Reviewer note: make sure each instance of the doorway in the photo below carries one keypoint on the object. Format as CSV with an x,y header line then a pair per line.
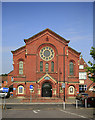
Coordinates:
x,y
46,90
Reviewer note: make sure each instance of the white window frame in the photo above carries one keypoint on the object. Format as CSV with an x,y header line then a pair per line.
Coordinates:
x,y
19,89
82,75
20,67
71,93
83,87
46,67
12,79
81,66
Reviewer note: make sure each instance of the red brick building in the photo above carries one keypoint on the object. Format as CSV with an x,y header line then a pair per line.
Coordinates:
x,y
46,62
85,84
3,81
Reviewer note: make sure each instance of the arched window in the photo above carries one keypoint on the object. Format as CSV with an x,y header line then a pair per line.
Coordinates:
x,y
41,66
46,66
71,90
52,66
71,68
21,67
20,89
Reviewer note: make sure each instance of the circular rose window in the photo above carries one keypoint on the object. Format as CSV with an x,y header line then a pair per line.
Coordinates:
x,y
46,53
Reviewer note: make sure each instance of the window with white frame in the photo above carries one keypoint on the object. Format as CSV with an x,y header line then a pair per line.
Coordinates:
x,y
82,75
21,67
12,79
46,67
20,89
89,76
82,88
71,90
81,67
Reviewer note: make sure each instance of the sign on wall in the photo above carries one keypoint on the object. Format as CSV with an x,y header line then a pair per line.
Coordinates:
x,y
14,88
31,87
63,85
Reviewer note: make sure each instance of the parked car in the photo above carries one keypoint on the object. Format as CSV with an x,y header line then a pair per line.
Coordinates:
x,y
90,102
2,94
8,94
81,96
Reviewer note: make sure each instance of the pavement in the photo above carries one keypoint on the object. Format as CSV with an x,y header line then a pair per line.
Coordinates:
x,y
19,100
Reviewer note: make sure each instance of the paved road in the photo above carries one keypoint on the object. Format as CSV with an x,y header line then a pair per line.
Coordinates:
x,y
46,111
42,114
15,109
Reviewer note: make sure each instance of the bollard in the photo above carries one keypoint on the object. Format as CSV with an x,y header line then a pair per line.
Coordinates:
x,y
86,103
76,103
64,105
4,103
30,99
3,106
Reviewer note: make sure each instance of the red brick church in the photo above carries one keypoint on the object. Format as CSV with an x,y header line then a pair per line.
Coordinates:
x,y
47,64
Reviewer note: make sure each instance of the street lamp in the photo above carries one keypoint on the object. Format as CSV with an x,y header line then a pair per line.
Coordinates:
x,y
64,75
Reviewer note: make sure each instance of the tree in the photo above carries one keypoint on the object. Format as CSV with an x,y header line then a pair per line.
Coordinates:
x,y
4,74
91,70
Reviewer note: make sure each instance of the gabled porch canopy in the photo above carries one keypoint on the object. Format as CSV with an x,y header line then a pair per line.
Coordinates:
x,y
47,78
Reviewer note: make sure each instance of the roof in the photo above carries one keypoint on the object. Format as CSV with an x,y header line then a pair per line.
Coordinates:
x,y
47,29
36,35
90,85
74,50
82,62
18,49
11,72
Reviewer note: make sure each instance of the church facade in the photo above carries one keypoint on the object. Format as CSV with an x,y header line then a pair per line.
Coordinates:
x,y
45,67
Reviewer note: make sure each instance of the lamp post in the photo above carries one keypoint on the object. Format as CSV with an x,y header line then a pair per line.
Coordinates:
x,y
25,87
64,76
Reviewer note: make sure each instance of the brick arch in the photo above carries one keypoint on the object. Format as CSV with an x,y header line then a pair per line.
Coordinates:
x,y
20,85
42,80
20,59
39,59
71,86
71,60
47,44
50,81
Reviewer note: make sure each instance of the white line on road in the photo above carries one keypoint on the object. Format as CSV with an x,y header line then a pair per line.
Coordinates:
x,y
35,111
38,110
73,114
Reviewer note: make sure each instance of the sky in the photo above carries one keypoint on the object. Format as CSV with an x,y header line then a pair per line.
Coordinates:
x,y
21,20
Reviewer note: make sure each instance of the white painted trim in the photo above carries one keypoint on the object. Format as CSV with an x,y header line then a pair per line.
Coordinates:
x,y
73,90
22,89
